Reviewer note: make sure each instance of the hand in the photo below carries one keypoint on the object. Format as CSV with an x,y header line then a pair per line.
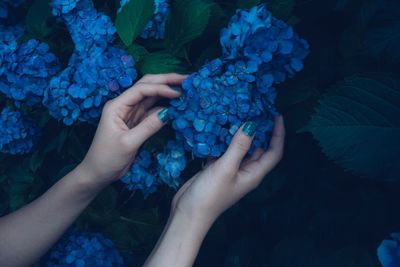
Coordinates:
x,y
224,182
126,123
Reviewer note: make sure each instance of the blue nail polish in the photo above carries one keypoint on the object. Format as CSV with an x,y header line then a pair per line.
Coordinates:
x,y
163,115
250,128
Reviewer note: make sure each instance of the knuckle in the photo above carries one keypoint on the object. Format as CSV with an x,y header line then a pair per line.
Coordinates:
x,y
242,145
151,125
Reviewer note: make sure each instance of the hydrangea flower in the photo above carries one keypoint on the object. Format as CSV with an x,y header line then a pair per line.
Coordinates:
x,y
258,52
155,28
389,251
170,164
81,90
25,69
80,249
96,71
88,27
18,134
141,175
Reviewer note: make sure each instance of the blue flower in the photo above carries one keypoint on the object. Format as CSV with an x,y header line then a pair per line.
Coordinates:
x,y
170,163
155,28
96,71
141,175
88,27
81,90
259,51
77,249
25,70
18,133
389,251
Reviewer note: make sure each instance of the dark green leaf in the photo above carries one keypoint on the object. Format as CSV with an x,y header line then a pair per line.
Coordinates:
x,y
188,20
137,51
57,143
36,19
247,3
359,126
160,62
282,8
35,161
354,256
383,42
133,18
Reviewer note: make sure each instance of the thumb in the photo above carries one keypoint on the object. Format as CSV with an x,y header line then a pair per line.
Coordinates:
x,y
239,146
148,127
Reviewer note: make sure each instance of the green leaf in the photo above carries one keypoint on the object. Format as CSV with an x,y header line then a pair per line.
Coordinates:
x,y
358,126
57,143
188,20
35,161
132,19
352,256
247,3
282,8
37,16
383,42
137,51
160,62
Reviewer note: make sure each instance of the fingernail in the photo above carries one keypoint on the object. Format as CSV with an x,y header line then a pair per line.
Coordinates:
x,y
163,115
176,88
250,128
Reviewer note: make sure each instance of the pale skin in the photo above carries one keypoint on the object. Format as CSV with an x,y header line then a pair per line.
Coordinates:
x,y
126,123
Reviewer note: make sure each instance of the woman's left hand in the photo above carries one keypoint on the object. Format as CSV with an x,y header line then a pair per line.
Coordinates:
x,y
126,123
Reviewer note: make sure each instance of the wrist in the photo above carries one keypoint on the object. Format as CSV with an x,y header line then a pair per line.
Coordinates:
x,y
190,224
86,179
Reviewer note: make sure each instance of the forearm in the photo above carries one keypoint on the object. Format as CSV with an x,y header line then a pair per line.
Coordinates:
x,y
179,244
28,233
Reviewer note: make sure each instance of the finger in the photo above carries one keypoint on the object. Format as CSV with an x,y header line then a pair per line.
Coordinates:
x,y
138,92
239,147
273,155
169,78
146,128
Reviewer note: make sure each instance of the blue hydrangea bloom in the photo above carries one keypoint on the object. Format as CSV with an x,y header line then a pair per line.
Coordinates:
x,y
389,251
25,69
80,249
170,164
88,27
259,51
90,79
96,71
141,175
18,134
155,28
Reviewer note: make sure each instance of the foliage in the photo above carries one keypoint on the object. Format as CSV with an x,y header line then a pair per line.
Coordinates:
x,y
330,202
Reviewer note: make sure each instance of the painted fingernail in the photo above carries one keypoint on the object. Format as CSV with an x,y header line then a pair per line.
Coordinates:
x,y
163,115
176,88
250,128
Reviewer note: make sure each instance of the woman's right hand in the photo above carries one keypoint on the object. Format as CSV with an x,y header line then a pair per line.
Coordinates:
x,y
225,181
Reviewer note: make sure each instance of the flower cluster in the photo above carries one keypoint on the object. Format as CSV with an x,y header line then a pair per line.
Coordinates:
x,y
140,176
146,173
96,71
88,27
79,249
18,134
155,28
25,70
81,89
258,52
389,251
170,164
